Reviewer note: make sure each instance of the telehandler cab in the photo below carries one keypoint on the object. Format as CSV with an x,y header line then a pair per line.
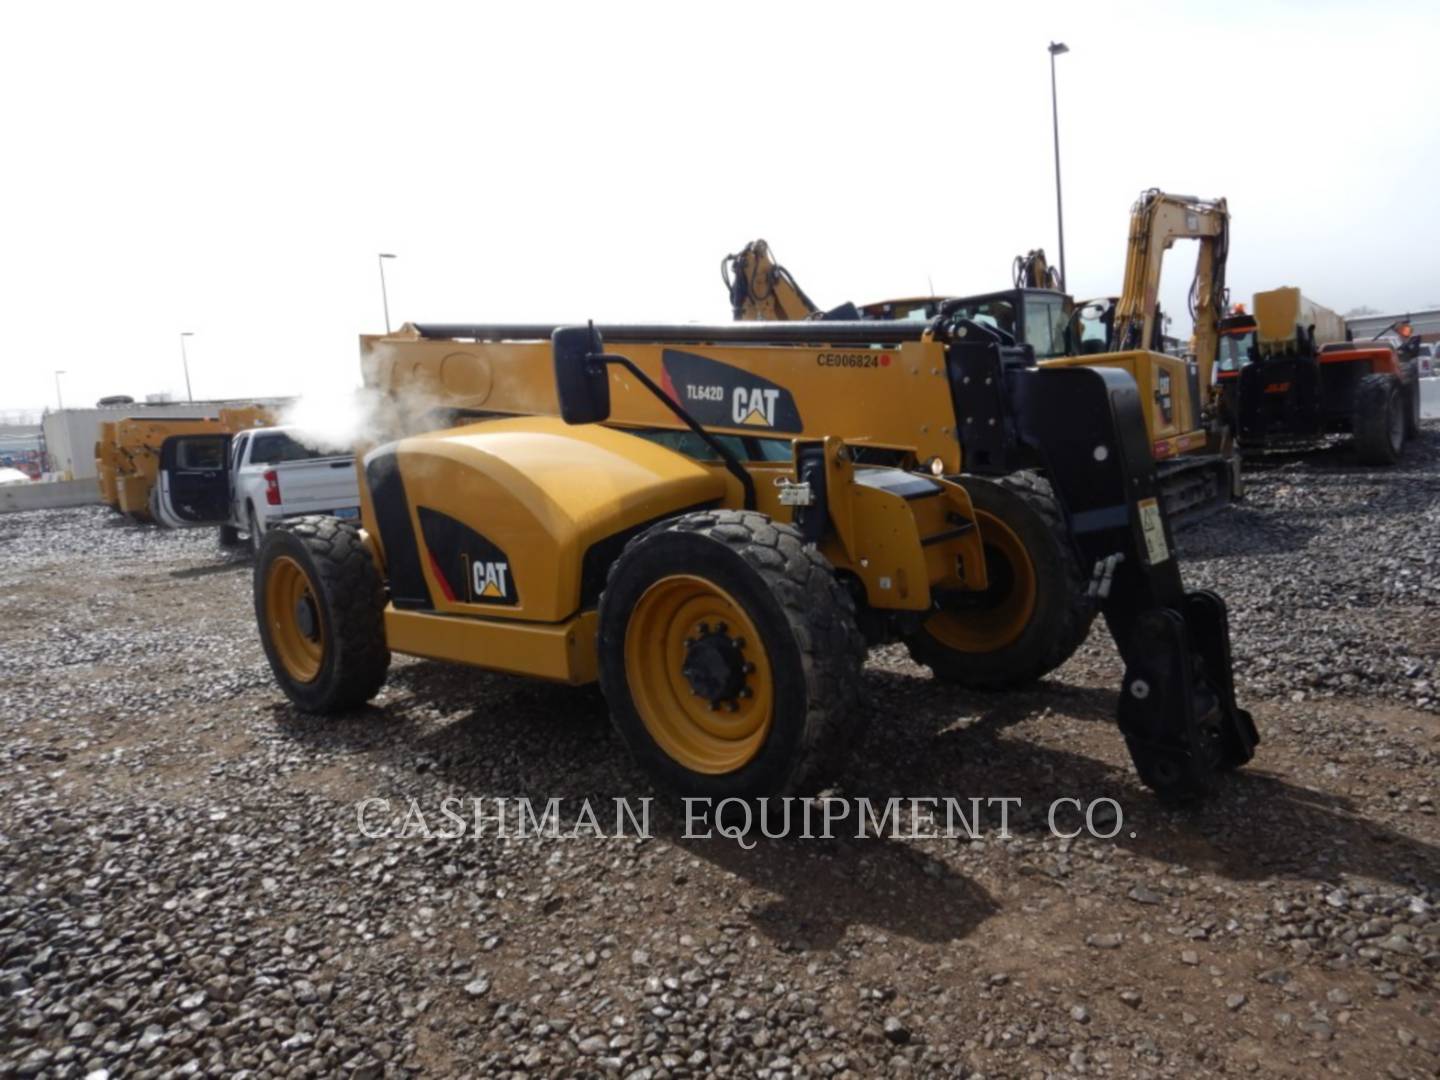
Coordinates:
x,y
715,521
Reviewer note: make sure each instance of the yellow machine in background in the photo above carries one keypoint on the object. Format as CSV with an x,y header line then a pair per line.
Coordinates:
x,y
1291,373
133,459
1189,433
106,464
1187,429
714,520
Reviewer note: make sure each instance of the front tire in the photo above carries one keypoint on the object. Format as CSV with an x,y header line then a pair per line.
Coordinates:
x,y
319,604
1379,423
1035,613
730,657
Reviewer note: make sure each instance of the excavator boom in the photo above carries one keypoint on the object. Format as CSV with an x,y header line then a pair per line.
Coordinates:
x,y
1157,220
761,290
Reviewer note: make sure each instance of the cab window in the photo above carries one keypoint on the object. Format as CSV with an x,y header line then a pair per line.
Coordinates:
x,y
997,313
201,453
1235,350
1045,324
277,448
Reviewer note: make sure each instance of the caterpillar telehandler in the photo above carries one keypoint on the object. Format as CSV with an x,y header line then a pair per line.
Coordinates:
x,y
1189,434
1290,372
715,522
131,463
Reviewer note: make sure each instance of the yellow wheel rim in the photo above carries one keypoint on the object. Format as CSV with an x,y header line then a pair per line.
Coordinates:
x,y
293,613
1003,611
699,675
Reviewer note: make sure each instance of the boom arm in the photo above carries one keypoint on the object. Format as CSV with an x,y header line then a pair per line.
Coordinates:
x,y
761,290
1157,221
1032,271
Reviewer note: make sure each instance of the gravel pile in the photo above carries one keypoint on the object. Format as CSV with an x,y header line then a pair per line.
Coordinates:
x,y
185,888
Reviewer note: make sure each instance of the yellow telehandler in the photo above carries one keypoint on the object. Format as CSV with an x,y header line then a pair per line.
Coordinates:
x,y
715,522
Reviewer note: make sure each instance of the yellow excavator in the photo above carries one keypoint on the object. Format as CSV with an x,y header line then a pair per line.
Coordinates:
x,y
1190,439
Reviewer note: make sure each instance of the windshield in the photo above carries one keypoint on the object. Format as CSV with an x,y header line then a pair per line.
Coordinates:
x,y
276,448
1045,324
996,311
1235,350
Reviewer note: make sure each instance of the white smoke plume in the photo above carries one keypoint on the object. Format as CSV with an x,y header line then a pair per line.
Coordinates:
x,y
341,421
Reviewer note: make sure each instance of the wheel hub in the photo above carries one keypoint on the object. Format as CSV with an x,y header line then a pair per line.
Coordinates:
x,y
715,665
307,619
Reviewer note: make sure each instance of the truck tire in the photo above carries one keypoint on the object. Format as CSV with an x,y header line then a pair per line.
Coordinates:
x,y
1379,423
319,604
1412,401
1035,613
256,532
730,657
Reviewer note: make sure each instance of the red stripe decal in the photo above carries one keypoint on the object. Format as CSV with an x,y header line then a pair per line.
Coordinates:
x,y
439,576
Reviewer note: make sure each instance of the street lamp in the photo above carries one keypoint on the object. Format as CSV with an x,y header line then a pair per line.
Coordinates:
x,y
185,360
58,399
1058,48
384,299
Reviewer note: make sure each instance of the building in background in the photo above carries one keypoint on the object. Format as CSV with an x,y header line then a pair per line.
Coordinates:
x,y
70,434
1424,323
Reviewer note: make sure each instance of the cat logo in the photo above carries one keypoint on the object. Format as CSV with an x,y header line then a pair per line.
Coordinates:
x,y
491,580
722,395
755,407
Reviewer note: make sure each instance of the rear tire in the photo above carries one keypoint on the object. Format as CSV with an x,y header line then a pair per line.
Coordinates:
x,y
730,657
1006,640
1379,422
319,604
257,532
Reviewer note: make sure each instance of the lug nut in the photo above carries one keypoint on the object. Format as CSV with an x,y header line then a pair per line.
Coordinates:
x,y
748,668
746,692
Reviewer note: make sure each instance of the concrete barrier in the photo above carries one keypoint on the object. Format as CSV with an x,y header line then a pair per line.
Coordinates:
x,y
1430,398
48,496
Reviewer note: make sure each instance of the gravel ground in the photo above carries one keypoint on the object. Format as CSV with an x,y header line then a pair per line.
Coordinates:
x,y
185,890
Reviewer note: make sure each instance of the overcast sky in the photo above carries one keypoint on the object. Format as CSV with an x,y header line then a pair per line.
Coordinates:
x,y
233,170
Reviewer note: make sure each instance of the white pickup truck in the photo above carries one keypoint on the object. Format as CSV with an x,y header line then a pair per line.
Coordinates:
x,y
248,481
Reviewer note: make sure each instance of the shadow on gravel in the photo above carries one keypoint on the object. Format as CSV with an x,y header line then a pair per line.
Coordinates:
x,y
229,566
822,888
488,736
1257,825
1215,538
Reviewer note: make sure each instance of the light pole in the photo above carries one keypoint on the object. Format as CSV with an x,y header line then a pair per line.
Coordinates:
x,y
1058,48
60,401
384,298
185,362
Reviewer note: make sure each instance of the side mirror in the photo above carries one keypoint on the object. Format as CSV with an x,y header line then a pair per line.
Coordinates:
x,y
581,381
